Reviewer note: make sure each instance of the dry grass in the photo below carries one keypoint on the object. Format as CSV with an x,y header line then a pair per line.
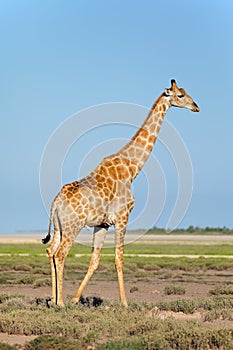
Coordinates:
x,y
112,327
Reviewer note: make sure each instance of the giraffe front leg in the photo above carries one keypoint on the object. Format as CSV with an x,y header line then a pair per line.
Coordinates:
x,y
119,268
98,241
119,251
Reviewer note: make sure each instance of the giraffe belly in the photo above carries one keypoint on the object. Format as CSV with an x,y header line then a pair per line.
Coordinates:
x,y
103,218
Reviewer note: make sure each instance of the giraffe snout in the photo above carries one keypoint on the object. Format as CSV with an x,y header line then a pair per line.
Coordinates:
x,y
195,107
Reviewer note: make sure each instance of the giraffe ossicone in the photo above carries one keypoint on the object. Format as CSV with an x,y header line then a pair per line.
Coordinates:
x,y
104,198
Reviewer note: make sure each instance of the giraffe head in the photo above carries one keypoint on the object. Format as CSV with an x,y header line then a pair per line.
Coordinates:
x,y
179,98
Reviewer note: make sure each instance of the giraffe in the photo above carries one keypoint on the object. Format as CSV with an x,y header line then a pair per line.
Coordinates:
x,y
104,198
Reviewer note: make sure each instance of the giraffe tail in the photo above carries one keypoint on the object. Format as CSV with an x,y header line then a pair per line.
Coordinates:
x,y
52,211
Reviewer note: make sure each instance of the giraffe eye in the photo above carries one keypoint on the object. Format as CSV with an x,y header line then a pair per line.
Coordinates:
x,y
180,96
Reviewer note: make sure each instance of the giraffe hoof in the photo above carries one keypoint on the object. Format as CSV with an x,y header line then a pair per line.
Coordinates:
x,y
61,304
124,304
75,300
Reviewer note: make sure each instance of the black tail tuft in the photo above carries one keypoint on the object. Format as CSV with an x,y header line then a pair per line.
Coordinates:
x,y
46,239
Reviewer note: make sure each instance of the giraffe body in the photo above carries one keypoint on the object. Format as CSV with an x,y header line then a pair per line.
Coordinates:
x,y
98,198
104,198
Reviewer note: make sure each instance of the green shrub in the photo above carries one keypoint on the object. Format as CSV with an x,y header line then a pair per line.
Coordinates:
x,y
47,342
223,314
41,282
136,343
184,305
176,290
4,346
221,291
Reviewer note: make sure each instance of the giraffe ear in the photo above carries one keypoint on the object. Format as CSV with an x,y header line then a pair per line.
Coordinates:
x,y
167,92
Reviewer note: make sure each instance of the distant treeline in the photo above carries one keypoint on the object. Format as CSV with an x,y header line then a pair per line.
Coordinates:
x,y
194,229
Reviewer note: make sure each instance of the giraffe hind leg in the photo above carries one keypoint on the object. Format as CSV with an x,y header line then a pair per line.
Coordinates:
x,y
59,261
51,251
98,241
58,255
120,229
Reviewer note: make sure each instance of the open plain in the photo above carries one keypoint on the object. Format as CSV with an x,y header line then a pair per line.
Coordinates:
x,y
179,288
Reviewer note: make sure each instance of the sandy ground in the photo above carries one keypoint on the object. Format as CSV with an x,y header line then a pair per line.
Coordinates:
x,y
149,291
15,339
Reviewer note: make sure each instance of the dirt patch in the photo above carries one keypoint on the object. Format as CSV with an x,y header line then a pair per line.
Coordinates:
x,y
155,312
15,339
147,289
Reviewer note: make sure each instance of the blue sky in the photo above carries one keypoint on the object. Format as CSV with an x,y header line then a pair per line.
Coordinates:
x,y
59,57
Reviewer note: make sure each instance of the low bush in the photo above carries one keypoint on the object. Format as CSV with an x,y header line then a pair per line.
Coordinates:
x,y
46,342
176,290
110,326
221,291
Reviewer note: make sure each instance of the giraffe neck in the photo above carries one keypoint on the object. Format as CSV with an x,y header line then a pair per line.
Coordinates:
x,y
138,149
